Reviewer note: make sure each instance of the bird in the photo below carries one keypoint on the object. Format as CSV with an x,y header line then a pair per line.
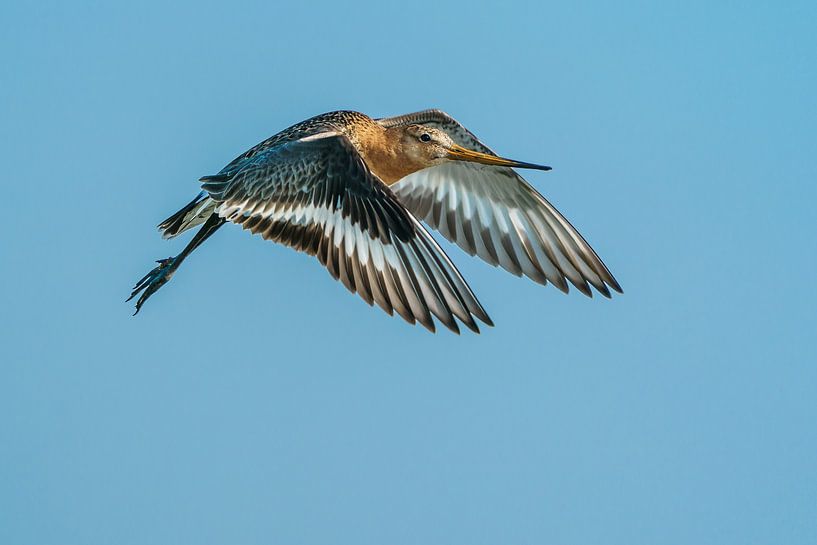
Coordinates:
x,y
354,192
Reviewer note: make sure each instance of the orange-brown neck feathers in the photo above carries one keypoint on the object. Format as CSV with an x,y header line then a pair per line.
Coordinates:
x,y
383,151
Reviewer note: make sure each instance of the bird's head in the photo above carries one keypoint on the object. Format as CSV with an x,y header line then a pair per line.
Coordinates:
x,y
429,146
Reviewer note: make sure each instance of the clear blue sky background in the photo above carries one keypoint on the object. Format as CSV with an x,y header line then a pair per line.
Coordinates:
x,y
255,401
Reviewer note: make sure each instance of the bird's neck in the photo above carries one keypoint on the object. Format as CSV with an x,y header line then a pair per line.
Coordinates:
x,y
383,153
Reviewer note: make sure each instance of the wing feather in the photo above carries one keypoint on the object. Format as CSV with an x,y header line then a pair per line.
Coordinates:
x,y
317,195
494,213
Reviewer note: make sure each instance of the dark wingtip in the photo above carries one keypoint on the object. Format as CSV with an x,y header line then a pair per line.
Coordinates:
x,y
472,325
451,324
583,288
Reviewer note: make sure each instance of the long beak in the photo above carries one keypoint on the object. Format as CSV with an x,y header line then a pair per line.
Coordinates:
x,y
459,153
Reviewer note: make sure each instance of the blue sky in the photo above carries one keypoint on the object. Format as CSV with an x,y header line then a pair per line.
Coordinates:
x,y
255,401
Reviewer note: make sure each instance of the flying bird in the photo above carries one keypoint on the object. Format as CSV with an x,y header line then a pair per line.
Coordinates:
x,y
352,191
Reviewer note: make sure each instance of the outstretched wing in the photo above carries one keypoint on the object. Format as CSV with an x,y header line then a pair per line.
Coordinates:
x,y
316,195
494,213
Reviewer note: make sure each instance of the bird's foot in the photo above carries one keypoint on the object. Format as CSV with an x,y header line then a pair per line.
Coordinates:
x,y
152,281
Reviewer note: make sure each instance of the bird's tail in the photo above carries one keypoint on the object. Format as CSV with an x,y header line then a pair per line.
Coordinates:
x,y
194,213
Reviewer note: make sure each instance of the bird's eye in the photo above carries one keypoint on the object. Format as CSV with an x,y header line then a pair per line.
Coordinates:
x,y
425,137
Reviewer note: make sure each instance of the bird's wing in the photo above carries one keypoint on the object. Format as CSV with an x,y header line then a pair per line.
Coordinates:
x,y
316,195
494,213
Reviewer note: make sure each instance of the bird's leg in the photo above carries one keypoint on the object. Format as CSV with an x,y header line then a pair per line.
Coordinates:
x,y
159,276
154,280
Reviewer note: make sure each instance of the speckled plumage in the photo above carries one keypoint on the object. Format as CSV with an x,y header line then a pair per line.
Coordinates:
x,y
345,188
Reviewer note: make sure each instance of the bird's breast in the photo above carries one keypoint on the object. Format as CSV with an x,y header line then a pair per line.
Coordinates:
x,y
389,171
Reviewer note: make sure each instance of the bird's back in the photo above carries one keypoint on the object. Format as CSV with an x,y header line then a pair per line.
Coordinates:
x,y
342,121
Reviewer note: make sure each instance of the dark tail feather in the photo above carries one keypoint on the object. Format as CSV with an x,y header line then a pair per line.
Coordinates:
x,y
184,218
